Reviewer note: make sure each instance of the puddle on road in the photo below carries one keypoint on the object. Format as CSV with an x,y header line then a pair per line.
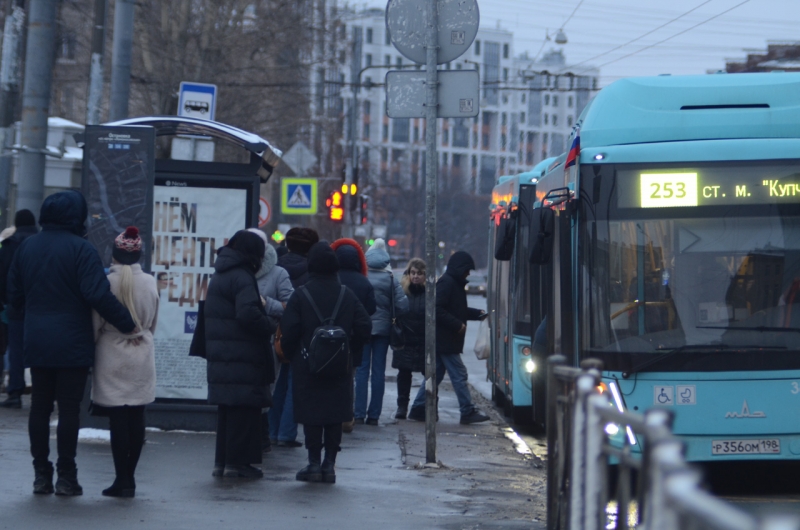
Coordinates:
x,y
612,515
519,444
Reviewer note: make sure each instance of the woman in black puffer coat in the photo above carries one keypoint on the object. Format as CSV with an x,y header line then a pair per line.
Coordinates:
x,y
411,358
239,355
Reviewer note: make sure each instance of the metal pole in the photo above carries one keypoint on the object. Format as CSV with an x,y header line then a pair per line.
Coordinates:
x,y
95,98
39,58
350,176
9,95
431,168
121,59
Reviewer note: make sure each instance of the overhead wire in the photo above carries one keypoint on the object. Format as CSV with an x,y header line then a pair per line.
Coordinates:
x,y
672,36
643,35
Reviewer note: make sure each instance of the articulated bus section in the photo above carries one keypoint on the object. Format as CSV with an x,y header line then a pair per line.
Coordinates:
x,y
665,244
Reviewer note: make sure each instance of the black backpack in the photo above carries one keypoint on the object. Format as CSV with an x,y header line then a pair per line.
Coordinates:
x,y
328,354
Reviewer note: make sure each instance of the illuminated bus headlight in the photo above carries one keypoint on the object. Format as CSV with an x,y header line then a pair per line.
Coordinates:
x,y
530,366
620,404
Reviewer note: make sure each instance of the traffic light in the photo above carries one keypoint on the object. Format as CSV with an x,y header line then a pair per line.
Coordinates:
x,y
335,206
363,210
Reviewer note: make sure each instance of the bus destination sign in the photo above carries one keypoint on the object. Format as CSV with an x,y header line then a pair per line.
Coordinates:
x,y
709,187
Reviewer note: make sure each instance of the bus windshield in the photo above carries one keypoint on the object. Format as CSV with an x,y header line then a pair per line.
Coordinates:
x,y
701,276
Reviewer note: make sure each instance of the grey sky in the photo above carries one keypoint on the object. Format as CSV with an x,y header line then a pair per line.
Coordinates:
x,y
600,25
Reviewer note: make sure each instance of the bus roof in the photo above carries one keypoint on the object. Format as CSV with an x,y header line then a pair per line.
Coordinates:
x,y
703,107
507,188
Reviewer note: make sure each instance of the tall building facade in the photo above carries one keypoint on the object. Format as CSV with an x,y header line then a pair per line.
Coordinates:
x,y
528,106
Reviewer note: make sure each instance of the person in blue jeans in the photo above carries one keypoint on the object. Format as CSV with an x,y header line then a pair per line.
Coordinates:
x,y
452,314
388,293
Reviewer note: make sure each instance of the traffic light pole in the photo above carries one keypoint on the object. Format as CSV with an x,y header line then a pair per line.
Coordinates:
x,y
350,176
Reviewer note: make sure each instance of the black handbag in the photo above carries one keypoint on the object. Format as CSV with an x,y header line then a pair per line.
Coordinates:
x,y
198,346
396,336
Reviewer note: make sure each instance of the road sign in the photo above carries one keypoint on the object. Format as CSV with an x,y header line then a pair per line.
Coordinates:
x,y
407,22
298,196
264,212
459,91
299,158
197,100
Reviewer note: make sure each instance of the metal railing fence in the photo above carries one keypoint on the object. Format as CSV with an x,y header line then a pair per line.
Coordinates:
x,y
656,489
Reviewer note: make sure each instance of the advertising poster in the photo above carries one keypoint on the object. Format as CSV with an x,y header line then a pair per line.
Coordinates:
x,y
118,175
190,224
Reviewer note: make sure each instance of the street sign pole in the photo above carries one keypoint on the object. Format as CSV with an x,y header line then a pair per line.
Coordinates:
x,y
432,32
431,169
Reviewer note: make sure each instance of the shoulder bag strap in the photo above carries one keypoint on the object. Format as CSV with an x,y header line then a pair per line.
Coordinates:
x,y
338,304
313,304
391,295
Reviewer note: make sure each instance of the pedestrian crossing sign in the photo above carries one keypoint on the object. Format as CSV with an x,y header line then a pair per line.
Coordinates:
x,y
299,196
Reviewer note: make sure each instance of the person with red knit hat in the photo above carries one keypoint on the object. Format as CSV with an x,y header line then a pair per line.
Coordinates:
x,y
124,374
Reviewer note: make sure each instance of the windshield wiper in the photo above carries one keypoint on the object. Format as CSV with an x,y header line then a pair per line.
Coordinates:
x,y
752,328
669,352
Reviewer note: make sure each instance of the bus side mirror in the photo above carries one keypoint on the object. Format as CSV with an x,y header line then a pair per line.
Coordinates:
x,y
541,244
506,236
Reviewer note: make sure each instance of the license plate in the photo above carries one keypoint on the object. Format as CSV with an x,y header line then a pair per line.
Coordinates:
x,y
769,446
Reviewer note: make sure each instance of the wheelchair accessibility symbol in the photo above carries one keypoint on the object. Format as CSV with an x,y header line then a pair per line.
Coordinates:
x,y
664,395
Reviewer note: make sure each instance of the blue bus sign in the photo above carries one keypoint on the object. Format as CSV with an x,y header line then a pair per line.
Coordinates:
x,y
197,100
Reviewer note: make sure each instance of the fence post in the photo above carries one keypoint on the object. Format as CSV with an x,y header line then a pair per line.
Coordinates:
x,y
596,464
555,443
577,483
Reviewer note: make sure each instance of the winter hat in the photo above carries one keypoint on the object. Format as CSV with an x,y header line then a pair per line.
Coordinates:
x,y
350,255
128,246
24,218
260,233
377,256
300,239
322,259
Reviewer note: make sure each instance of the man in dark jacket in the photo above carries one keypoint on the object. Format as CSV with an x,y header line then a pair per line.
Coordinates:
x,y
25,224
322,405
57,278
299,241
452,314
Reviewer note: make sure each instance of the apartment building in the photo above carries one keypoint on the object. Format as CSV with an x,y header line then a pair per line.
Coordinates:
x,y
528,107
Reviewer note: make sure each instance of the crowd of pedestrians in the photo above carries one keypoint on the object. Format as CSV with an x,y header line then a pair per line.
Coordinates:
x,y
297,334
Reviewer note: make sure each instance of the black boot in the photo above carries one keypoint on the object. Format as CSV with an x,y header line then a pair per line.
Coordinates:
x,y
402,409
312,472
43,481
13,401
328,468
122,487
67,483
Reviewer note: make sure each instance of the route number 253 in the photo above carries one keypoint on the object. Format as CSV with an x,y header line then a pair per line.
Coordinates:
x,y
659,190
668,190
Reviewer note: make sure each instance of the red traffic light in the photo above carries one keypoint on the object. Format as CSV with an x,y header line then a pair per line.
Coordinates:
x,y
392,242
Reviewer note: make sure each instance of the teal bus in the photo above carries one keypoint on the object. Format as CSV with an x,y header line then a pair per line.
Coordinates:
x,y
667,245
511,361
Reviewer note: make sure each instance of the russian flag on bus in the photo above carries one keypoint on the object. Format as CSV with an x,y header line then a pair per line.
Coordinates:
x,y
574,151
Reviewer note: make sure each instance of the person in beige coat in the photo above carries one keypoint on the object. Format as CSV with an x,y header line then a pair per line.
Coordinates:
x,y
124,374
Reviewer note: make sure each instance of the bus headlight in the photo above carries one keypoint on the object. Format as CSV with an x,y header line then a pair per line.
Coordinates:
x,y
530,366
526,350
618,401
